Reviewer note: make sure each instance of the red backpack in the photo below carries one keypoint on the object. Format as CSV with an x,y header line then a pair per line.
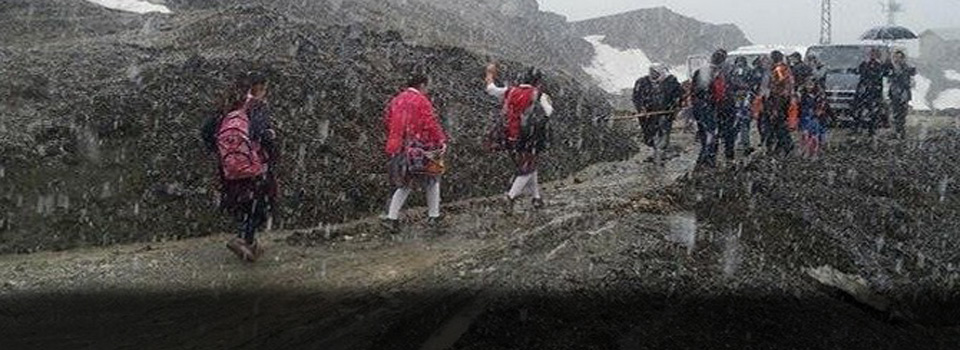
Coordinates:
x,y
239,155
718,88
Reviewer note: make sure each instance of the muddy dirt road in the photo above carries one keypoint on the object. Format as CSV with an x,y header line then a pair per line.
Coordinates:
x,y
614,262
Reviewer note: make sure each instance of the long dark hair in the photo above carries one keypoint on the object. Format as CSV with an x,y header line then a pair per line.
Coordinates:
x,y
236,95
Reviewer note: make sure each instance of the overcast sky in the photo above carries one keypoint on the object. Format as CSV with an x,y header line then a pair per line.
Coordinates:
x,y
778,21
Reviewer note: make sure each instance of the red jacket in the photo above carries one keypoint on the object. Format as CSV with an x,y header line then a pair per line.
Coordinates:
x,y
516,101
410,115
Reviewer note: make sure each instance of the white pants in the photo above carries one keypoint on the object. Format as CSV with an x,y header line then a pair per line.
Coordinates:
x,y
526,183
431,186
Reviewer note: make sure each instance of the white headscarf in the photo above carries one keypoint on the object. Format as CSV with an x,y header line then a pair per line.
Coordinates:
x,y
662,70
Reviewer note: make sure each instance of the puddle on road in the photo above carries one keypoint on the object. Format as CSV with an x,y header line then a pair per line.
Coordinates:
x,y
683,230
732,253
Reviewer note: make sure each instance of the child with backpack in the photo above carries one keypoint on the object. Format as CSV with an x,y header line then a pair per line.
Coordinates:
x,y
416,144
523,130
244,140
813,114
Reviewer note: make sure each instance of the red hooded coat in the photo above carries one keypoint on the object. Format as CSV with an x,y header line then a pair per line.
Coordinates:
x,y
410,117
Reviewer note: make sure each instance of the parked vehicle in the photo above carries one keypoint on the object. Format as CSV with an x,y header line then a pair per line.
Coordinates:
x,y
840,63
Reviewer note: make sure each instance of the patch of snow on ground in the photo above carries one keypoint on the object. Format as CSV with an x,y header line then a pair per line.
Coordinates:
x,y
948,99
615,69
951,75
920,91
137,6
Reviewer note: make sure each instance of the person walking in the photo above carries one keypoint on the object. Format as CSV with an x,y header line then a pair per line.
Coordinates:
x,y
801,70
523,132
782,92
813,113
869,96
762,74
901,82
742,83
818,71
416,145
710,103
657,98
245,141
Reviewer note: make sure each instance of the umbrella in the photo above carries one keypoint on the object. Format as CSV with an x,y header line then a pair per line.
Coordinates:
x,y
888,33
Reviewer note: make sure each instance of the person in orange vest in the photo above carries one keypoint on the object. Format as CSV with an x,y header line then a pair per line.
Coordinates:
x,y
526,110
782,91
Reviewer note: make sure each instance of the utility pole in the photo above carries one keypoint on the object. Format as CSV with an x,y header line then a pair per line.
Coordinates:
x,y
826,22
892,8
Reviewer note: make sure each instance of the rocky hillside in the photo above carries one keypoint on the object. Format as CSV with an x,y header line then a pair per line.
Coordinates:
x,y
30,22
663,35
100,132
511,29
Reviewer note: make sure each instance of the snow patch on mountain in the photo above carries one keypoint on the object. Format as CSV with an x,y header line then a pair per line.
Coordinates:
x,y
920,91
615,70
951,74
137,6
949,99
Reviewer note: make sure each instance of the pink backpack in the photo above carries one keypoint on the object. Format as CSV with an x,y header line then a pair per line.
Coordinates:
x,y
239,156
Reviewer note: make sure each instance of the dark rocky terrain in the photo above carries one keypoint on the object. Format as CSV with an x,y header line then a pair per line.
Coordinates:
x,y
624,257
100,129
511,29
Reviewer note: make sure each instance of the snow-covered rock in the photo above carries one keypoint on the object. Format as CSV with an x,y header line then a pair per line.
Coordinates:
x,y
615,70
137,6
949,99
920,91
951,74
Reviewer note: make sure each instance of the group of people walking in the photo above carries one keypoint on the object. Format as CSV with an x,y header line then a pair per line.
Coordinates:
x,y
782,94
417,144
243,138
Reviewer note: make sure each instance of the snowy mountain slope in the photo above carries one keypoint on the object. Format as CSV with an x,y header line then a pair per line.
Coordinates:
x,y
136,6
614,69
951,74
949,99
663,35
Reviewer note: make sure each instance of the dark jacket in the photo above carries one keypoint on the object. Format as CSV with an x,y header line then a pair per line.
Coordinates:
x,y
901,79
871,80
655,96
801,73
742,81
704,84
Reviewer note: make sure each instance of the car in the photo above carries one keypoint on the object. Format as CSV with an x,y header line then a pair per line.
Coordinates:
x,y
841,78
